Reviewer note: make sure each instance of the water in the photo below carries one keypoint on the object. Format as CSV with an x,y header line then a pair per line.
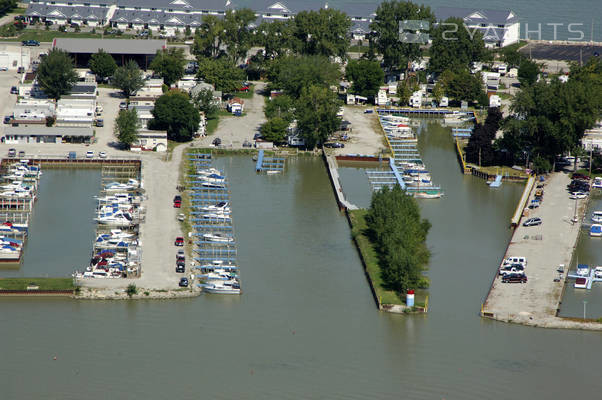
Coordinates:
x,y
535,16
307,326
61,231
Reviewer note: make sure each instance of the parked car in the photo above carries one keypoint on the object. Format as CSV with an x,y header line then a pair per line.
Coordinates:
x,y
578,195
3,68
180,254
246,143
20,70
580,176
368,111
179,241
532,222
217,141
30,42
334,145
180,269
14,90
12,152
102,154
177,201
100,122
183,282
123,105
21,154
7,119
89,154
514,278
516,269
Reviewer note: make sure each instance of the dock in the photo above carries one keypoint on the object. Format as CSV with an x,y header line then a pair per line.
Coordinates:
x,y
269,165
546,246
333,174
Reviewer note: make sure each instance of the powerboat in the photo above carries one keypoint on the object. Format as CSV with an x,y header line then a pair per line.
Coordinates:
x,y
583,270
222,206
222,288
217,265
428,194
595,230
119,218
598,272
218,237
597,216
219,275
115,186
208,171
220,216
581,283
215,185
116,198
213,178
9,253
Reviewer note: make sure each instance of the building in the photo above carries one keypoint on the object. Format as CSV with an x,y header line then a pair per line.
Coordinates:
x,y
44,134
33,109
66,13
13,57
235,105
500,28
75,112
122,50
150,141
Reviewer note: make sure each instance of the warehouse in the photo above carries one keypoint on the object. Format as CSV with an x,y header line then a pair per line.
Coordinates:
x,y
122,50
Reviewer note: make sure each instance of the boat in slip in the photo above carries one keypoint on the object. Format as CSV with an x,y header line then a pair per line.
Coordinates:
x,y
428,194
208,171
214,185
222,207
217,265
583,270
9,253
218,238
395,118
218,216
226,287
595,230
213,178
131,184
219,275
581,283
119,218
598,272
597,217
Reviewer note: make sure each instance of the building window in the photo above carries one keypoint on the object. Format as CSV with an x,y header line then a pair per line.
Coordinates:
x,y
483,25
137,8
501,26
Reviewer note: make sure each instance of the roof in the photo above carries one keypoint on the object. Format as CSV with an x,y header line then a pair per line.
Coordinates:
x,y
46,131
54,11
477,16
112,46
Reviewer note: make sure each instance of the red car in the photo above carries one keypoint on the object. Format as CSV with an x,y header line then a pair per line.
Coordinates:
x,y
177,201
179,241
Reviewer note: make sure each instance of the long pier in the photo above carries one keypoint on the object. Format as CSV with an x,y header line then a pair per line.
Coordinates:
x,y
333,174
546,246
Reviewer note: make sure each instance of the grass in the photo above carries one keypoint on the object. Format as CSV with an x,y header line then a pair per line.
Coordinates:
x,y
48,36
246,95
212,125
505,96
357,49
503,170
43,283
368,252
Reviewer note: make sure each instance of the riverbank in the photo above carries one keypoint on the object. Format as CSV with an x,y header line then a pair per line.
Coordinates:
x,y
386,300
142,294
537,302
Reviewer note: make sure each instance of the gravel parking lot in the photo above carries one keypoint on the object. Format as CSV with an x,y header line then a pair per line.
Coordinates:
x,y
366,137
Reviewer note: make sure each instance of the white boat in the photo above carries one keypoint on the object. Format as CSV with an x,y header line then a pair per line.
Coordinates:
x,y
220,216
222,288
273,172
208,171
598,272
216,185
218,237
120,218
597,183
219,275
578,195
9,253
428,195
581,283
117,186
595,230
597,216
213,178
583,270
218,265
116,198
222,206
395,118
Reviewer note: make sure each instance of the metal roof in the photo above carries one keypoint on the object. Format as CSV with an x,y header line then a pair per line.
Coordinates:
x,y
112,46
477,16
47,131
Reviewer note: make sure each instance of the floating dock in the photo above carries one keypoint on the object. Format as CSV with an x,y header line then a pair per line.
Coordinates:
x,y
270,165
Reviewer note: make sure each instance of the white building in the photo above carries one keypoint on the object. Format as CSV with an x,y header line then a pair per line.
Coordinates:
x,y
150,141
33,109
495,101
500,28
13,57
44,134
75,112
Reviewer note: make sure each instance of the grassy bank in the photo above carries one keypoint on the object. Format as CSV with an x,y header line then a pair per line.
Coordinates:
x,y
43,283
48,36
368,252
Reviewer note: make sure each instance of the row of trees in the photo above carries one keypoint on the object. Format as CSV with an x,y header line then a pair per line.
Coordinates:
x,y
399,233
480,148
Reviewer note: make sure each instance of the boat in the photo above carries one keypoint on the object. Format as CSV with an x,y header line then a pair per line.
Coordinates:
x,y
597,216
395,118
213,178
583,270
119,218
222,288
595,230
217,265
115,186
578,195
222,206
208,171
272,171
598,272
220,216
219,275
428,194
218,237
9,253
115,198
581,283
597,183
215,185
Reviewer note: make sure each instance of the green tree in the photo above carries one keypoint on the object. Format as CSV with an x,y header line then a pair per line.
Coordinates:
x,y
175,113
528,72
221,73
404,92
209,37
131,290
128,78
281,106
169,64
56,75
237,32
292,74
127,126
275,130
367,76
316,113
102,65
463,85
385,27
454,47
323,32
204,102
438,92
275,37
6,6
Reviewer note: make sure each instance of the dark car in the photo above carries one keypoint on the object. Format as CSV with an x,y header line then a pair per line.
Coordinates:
x,y
183,282
74,25
532,222
217,141
257,136
181,262
14,90
7,119
180,269
246,143
514,278
12,152
581,177
30,42
100,122
334,145
21,154
179,241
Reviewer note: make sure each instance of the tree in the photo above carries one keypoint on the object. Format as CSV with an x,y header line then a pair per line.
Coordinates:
x,y
385,28
6,6
128,78
323,32
528,72
208,37
454,46
205,103
463,85
127,126
438,92
292,74
175,113
275,37
237,32
275,130
480,148
131,290
404,92
367,76
102,65
56,75
281,106
316,113
169,64
221,73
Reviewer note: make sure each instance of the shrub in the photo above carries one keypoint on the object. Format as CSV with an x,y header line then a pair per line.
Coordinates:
x,y
131,290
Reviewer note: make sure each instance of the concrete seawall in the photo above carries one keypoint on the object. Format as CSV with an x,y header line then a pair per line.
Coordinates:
x,y
546,246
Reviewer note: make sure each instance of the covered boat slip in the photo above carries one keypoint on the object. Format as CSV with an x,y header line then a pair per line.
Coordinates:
x,y
214,244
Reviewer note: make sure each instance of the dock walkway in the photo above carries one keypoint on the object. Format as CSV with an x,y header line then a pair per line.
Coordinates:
x,y
546,247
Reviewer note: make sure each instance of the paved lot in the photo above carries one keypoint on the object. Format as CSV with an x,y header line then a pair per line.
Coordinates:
x,y
536,301
366,137
561,52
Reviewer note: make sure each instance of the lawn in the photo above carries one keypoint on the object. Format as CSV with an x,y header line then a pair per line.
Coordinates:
x,y
48,36
246,95
212,125
43,283
501,170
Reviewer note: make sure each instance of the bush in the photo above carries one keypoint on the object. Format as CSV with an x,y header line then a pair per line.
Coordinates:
x,y
131,290
62,28
50,121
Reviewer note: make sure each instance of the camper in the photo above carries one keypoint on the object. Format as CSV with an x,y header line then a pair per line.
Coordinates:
x,y
444,102
495,101
502,69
